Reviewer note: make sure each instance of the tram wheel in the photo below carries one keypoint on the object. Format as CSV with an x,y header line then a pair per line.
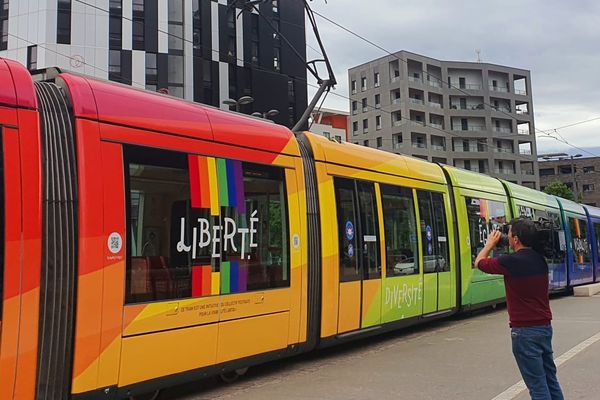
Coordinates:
x,y
146,396
232,376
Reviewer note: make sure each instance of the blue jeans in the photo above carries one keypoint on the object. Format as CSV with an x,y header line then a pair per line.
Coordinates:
x,y
532,348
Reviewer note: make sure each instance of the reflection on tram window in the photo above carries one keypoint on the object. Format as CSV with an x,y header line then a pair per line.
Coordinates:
x,y
484,216
202,226
433,227
582,252
400,231
553,250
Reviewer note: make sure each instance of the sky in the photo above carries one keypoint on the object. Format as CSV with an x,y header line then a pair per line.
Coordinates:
x,y
557,41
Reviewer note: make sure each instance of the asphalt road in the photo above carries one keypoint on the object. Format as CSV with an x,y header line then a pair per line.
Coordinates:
x,y
466,358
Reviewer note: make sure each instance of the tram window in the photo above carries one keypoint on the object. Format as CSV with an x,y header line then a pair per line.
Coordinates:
x,y
369,230
434,232
399,222
264,256
201,226
484,216
580,241
347,213
597,234
552,251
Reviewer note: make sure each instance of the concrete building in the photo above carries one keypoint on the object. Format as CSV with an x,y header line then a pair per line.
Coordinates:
x,y
476,116
333,124
581,175
200,50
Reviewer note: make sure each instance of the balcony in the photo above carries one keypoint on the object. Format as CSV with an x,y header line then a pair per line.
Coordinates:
x,y
521,92
438,147
395,78
475,128
354,112
502,130
397,123
416,101
501,109
413,79
414,121
397,145
396,101
503,150
365,108
434,105
435,83
504,171
527,172
524,112
498,89
522,131
436,126
419,145
468,86
525,152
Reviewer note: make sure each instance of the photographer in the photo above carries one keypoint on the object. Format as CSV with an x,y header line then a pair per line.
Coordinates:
x,y
526,281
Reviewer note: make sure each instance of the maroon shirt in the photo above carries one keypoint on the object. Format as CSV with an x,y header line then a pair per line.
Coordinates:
x,y
526,282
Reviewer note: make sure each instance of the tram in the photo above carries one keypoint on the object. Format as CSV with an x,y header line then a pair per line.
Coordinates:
x,y
147,241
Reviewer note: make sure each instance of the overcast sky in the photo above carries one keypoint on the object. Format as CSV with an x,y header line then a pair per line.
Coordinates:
x,y
558,41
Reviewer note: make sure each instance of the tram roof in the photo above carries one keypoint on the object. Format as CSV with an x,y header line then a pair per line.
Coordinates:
x,y
16,89
120,104
594,212
474,181
527,194
571,206
366,158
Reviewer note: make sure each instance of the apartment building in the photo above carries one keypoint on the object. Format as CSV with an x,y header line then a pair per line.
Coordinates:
x,y
581,175
206,51
475,116
333,124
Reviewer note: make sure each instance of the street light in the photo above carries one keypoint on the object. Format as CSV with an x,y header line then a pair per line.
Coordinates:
x,y
266,115
239,102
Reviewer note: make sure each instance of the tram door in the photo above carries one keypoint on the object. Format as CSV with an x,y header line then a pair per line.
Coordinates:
x,y
437,279
359,255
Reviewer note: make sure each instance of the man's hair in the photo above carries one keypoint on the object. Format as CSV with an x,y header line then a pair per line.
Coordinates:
x,y
526,230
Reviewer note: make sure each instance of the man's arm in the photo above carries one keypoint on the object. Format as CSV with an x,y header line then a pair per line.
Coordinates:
x,y
482,262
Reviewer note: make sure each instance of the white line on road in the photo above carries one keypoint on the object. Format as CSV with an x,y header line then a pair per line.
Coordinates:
x,y
518,387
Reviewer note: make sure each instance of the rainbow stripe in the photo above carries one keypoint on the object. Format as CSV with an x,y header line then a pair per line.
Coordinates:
x,y
234,277
215,183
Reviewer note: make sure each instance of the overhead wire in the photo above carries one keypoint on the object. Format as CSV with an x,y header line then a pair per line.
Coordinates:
x,y
422,70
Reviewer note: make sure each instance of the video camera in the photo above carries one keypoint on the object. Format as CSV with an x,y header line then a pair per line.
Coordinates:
x,y
547,232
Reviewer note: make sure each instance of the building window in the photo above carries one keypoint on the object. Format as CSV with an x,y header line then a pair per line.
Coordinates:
x,y
565,169
151,72
114,65
31,58
354,107
363,83
366,143
276,58
63,22
377,101
588,188
176,251
353,87
175,26
364,105
547,171
137,27
355,127
365,125
400,226
175,75
378,122
379,142
338,138
588,170
3,24
376,81
115,24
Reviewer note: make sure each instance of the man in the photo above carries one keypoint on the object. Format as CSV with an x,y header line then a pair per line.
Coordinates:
x,y
526,281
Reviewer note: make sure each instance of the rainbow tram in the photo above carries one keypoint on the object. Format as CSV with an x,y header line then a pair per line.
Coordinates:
x,y
147,241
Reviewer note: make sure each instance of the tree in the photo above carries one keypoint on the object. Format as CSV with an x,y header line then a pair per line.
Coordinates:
x,y
558,188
